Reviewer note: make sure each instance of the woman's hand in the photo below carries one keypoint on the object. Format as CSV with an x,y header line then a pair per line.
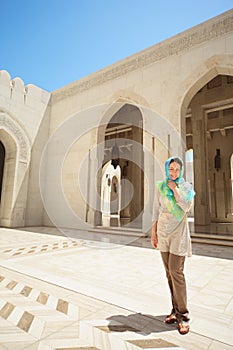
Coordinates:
x,y
154,240
171,184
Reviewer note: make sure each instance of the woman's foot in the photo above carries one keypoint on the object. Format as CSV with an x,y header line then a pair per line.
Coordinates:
x,y
183,327
170,319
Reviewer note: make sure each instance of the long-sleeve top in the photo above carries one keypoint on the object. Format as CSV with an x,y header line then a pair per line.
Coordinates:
x,y
173,235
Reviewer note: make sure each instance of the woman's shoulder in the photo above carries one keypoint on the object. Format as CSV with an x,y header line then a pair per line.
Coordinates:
x,y
187,187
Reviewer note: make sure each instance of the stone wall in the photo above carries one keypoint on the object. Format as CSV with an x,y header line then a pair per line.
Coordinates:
x,y
22,110
162,79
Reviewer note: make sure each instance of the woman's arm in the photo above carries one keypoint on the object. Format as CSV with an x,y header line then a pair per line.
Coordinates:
x,y
154,237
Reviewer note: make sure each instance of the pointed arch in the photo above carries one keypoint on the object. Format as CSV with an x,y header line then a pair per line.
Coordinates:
x,y
122,124
14,180
198,109
215,65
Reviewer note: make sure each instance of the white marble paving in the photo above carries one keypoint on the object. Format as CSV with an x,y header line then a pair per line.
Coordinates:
x,y
15,316
103,283
10,332
37,327
52,301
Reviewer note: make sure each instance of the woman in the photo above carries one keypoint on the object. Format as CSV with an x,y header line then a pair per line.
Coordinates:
x,y
170,232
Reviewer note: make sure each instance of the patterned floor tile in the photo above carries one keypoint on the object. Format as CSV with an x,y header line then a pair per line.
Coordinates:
x,y
39,248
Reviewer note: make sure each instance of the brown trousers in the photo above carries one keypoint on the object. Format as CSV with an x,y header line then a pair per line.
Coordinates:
x,y
174,266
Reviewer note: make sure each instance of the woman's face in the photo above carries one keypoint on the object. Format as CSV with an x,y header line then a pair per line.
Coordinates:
x,y
174,170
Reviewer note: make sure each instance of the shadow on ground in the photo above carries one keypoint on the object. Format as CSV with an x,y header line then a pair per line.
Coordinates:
x,y
139,323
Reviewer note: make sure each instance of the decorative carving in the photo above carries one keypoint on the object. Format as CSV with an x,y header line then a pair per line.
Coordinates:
x,y
182,42
213,115
216,82
228,112
14,129
229,79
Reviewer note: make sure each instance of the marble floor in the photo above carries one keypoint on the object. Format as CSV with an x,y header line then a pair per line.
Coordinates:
x,y
61,293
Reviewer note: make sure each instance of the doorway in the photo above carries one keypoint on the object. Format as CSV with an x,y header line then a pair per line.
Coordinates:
x,y
209,132
123,152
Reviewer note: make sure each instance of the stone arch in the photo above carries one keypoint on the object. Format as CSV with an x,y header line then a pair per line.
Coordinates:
x,y
13,128
130,97
126,120
216,67
218,64
110,195
16,163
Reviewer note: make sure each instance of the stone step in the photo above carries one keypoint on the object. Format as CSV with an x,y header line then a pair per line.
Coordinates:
x,y
213,236
77,348
135,232
203,238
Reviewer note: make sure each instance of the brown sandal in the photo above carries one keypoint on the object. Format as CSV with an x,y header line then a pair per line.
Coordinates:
x,y
170,319
183,328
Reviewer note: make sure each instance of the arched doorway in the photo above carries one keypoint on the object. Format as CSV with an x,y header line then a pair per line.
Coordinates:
x,y
2,163
14,176
209,131
123,147
111,195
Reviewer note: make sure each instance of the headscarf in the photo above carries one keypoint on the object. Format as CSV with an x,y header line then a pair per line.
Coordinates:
x,y
165,191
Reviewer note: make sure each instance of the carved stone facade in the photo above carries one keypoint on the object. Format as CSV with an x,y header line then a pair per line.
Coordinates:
x,y
16,131
57,148
21,111
183,42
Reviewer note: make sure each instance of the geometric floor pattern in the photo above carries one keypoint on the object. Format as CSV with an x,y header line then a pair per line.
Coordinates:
x,y
28,315
34,319
30,319
113,301
38,248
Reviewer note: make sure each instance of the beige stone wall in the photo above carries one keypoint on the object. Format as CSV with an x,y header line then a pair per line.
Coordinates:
x,y
162,80
159,77
22,109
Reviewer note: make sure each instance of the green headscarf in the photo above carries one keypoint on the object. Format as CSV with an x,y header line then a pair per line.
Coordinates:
x,y
165,191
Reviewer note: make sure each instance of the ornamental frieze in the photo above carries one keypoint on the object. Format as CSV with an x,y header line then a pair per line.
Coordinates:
x,y
19,136
182,42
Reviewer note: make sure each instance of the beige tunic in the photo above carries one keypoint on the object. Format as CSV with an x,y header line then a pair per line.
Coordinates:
x,y
173,235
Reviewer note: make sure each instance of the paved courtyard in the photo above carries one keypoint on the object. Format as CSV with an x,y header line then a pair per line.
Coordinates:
x,y
58,292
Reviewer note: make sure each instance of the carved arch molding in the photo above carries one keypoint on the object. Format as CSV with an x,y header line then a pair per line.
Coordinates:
x,y
19,135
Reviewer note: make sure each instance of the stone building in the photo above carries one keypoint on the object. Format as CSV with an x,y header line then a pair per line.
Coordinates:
x,y
88,154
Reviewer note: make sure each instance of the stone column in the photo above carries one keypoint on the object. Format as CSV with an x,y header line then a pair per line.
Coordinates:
x,y
20,195
149,182
202,208
137,176
94,216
